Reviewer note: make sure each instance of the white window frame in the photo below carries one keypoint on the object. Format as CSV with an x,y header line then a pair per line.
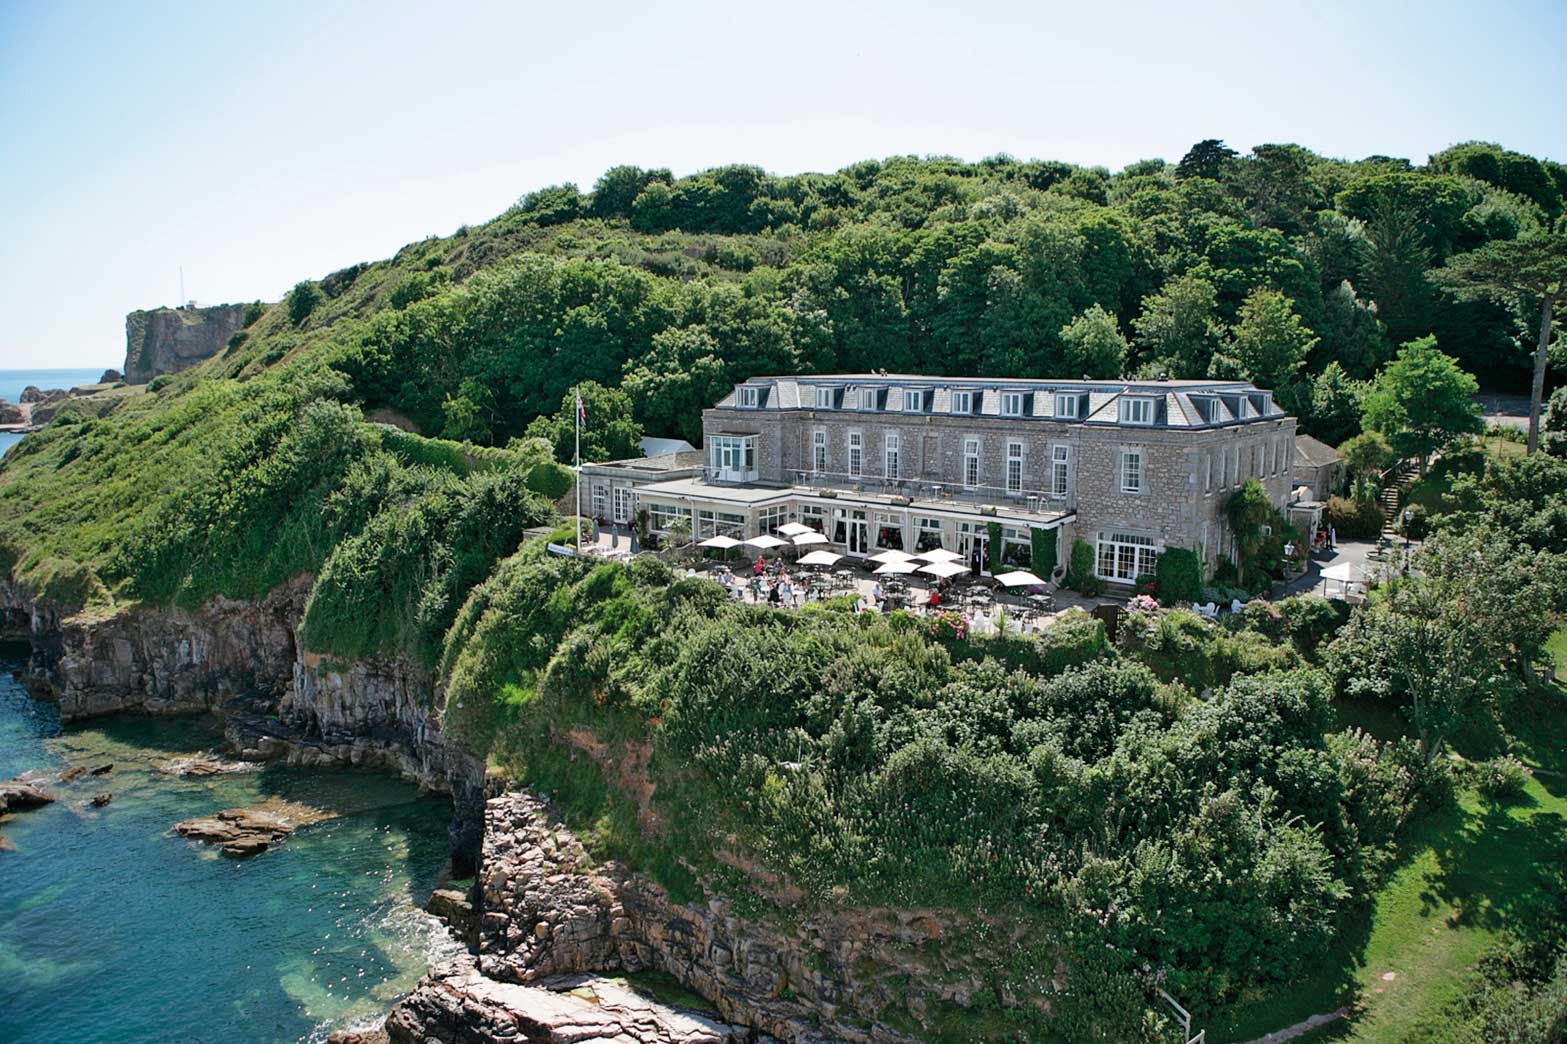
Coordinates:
x,y
1138,410
1060,471
1131,470
1224,468
819,451
1143,553
750,397
1011,404
962,402
891,452
1207,474
824,398
971,453
1066,405
867,398
913,401
856,454
1014,472
1235,472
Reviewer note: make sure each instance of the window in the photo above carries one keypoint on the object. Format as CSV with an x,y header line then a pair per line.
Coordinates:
x,y
1136,411
1224,469
889,460
1235,471
1012,404
824,398
1257,463
889,530
1017,547
928,536
819,452
1060,470
750,396
867,398
1125,556
1207,474
914,402
718,523
814,517
732,456
1014,467
600,500
962,402
771,518
970,463
855,453
1131,471
663,516
1066,406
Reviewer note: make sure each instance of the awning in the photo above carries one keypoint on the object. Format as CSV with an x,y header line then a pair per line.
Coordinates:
x,y
1019,578
723,543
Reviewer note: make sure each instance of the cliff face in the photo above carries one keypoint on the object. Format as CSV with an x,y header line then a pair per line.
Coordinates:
x,y
240,660
548,913
168,340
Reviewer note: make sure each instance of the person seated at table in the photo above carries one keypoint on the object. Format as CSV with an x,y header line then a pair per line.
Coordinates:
x,y
878,595
757,568
934,601
774,595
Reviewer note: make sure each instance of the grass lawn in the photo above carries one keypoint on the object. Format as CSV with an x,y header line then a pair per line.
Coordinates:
x,y
1465,875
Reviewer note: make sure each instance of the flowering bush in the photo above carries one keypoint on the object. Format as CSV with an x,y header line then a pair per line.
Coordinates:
x,y
1143,603
948,627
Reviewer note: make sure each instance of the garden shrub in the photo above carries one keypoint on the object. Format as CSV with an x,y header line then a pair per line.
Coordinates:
x,y
1080,573
1042,551
1178,576
1357,518
1501,779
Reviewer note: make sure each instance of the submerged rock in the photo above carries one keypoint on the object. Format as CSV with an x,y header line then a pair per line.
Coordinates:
x,y
72,773
103,770
100,800
246,832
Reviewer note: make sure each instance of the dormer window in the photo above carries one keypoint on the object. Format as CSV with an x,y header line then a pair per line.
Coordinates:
x,y
1012,404
824,398
913,402
1066,406
962,402
867,398
1137,411
750,396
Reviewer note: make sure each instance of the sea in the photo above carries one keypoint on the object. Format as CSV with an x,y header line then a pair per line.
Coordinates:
x,y
115,930
13,381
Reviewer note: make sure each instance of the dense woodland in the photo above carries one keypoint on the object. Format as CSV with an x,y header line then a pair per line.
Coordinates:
x,y
1222,810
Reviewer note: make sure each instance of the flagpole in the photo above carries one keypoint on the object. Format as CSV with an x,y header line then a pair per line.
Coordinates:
x,y
576,416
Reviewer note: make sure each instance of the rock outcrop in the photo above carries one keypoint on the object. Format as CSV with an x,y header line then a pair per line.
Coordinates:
x,y
168,340
245,832
19,795
10,413
111,376
455,1004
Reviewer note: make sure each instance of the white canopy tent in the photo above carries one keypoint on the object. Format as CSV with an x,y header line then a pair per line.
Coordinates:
x,y
795,529
1019,578
940,554
721,542
820,558
810,536
892,554
1345,574
897,568
765,541
944,569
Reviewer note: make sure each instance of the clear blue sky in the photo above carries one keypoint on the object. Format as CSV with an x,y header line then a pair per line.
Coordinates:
x,y
259,144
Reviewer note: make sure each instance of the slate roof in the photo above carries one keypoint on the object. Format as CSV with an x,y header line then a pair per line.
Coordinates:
x,y
1314,453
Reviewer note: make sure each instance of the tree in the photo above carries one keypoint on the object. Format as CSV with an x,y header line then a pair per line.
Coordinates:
x,y
1269,340
1335,405
1092,345
1179,328
469,414
1367,453
1422,399
1249,512
1352,335
302,300
1519,271
608,433
1206,159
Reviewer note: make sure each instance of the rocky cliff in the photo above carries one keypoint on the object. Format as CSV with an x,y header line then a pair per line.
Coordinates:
x,y
548,913
168,340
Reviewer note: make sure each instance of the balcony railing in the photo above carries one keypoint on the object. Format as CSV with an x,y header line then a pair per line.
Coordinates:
x,y
926,489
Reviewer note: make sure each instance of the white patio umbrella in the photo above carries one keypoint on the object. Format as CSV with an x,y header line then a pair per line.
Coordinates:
x,y
820,558
794,529
1019,578
765,541
892,554
810,536
903,568
944,569
1344,573
723,543
940,554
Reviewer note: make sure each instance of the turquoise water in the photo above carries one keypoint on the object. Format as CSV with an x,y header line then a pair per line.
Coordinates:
x,y
114,929
13,381
7,440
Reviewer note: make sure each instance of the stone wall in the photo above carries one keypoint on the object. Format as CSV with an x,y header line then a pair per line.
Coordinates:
x,y
168,340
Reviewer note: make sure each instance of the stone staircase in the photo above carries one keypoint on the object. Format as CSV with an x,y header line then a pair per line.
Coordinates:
x,y
1395,482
